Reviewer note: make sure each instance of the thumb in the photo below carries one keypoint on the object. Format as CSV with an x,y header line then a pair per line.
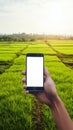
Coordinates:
x,y
46,73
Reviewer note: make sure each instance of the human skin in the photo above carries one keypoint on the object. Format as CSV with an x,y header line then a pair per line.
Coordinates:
x,y
49,96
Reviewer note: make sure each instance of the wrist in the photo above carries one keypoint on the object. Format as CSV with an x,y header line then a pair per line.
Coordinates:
x,y
54,101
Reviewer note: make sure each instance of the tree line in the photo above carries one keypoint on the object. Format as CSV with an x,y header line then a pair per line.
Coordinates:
x,y
22,37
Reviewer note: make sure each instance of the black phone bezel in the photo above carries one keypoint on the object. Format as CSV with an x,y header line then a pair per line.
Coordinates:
x,y
35,88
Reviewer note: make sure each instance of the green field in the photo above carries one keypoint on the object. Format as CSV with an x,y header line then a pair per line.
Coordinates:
x,y
20,111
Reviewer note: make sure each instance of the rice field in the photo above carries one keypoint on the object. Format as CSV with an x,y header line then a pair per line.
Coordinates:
x,y
20,111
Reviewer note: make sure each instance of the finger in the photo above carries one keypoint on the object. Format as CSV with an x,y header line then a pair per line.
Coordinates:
x,y
23,72
24,86
36,93
26,92
44,78
46,73
23,80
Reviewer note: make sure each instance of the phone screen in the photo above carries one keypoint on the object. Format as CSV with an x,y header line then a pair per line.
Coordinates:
x,y
34,71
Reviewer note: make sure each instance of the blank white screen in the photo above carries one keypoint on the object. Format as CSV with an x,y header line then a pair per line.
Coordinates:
x,y
35,71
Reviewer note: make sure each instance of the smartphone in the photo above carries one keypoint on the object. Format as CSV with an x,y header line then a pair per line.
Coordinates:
x,y
35,72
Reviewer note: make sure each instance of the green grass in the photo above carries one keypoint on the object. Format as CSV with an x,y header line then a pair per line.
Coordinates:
x,y
16,108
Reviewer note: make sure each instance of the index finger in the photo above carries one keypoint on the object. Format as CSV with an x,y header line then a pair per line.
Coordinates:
x,y
24,72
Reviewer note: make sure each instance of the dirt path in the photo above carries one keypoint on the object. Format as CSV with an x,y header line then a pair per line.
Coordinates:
x,y
38,115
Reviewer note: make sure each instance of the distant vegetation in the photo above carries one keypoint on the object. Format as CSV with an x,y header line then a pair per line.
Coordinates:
x,y
21,37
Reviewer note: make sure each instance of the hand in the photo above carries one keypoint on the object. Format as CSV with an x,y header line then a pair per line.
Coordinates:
x,y
49,93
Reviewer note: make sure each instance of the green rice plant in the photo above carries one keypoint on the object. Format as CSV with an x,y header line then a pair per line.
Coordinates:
x,y
67,60
38,44
16,108
43,50
14,47
61,42
10,49
62,46
50,58
20,60
8,52
6,61
64,50
7,57
16,68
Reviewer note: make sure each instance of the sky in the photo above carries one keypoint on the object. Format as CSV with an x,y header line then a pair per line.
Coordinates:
x,y
36,16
